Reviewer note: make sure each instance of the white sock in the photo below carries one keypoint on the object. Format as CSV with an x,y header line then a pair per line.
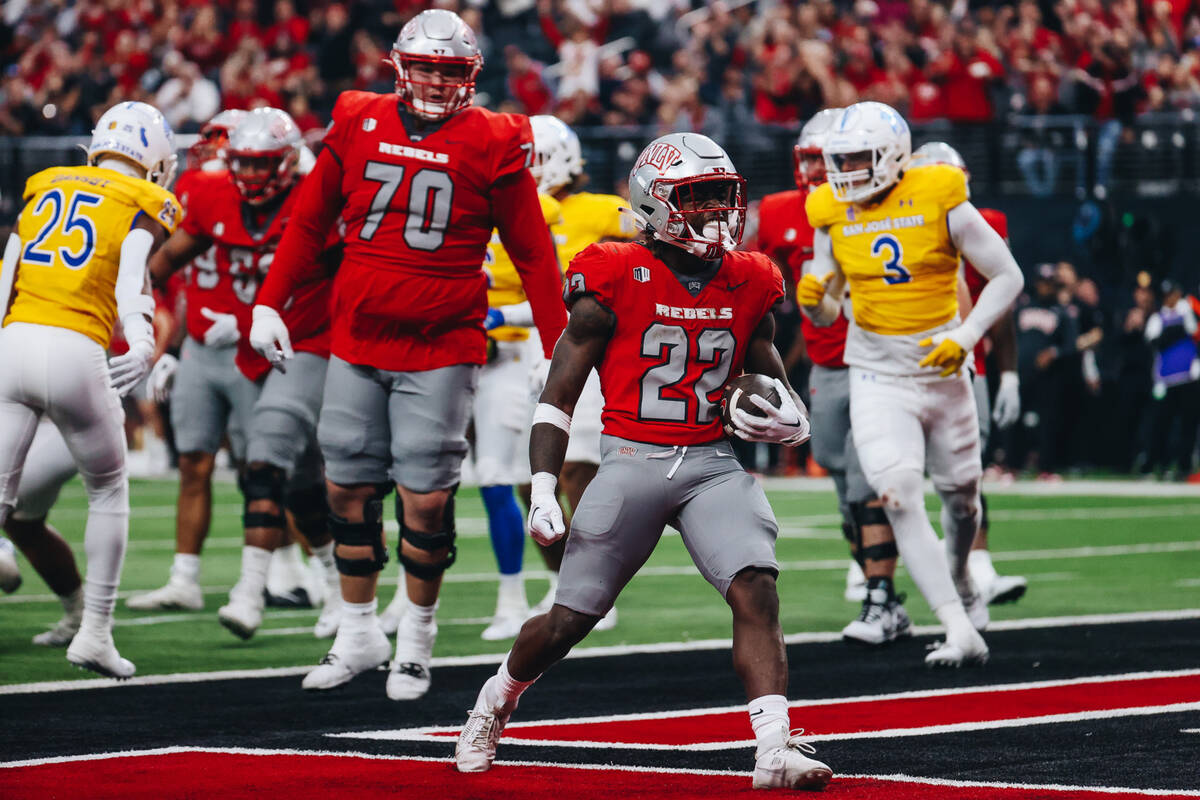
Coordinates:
x,y
416,616
255,561
72,603
512,592
980,564
186,566
770,721
502,691
358,617
954,617
96,623
324,554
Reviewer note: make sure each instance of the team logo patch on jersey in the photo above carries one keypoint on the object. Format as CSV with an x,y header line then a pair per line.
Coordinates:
x,y
641,274
369,124
219,229
789,235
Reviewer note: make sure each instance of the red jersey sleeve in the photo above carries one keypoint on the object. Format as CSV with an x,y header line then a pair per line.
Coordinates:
x,y
998,220
515,152
346,112
591,273
515,204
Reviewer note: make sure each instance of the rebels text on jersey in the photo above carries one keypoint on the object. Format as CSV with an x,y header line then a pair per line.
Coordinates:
x,y
976,282
419,210
785,235
239,260
671,353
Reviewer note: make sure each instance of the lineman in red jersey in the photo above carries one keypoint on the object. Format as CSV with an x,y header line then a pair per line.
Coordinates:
x,y
210,399
420,181
666,321
784,233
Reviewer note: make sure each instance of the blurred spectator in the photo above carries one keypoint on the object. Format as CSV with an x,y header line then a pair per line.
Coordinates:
x,y
525,83
1133,379
1176,409
1038,159
578,45
1046,336
1080,391
187,98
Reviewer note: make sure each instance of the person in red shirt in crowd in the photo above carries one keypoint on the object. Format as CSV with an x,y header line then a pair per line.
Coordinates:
x,y
666,321
785,235
967,73
420,178
525,83
287,23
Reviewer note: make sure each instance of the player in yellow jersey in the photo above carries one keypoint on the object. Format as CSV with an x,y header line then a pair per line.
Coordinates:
x,y
587,218
74,266
893,234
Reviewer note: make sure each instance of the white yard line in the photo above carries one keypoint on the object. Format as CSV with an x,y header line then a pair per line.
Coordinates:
x,y
582,652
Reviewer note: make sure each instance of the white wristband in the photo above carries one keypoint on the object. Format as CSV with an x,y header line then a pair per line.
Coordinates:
x,y
543,483
552,415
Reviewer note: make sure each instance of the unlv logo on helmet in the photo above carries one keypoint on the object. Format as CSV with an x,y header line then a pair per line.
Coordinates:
x,y
659,155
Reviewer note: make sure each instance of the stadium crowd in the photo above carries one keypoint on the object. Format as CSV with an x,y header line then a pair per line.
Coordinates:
x,y
673,64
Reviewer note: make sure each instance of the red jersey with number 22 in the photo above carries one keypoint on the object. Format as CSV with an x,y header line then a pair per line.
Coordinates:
x,y
976,282
785,235
242,258
671,353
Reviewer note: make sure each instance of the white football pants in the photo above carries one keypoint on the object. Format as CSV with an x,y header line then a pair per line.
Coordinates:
x,y
64,375
503,416
903,426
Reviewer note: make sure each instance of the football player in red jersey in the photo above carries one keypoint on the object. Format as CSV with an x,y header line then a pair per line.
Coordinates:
x,y
237,217
995,588
784,234
666,321
209,397
420,179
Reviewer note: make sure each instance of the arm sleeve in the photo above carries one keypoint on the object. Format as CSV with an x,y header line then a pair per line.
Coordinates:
x,y
297,260
983,247
821,264
532,253
134,305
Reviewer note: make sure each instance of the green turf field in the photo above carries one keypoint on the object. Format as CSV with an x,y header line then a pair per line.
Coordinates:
x,y
1082,555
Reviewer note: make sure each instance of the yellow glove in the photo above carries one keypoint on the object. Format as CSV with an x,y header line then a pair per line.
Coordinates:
x,y
811,289
947,354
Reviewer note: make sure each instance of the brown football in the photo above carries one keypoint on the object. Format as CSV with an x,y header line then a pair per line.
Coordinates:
x,y
760,385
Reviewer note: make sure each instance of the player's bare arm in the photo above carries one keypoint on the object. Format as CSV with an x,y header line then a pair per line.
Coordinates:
x,y
175,253
578,351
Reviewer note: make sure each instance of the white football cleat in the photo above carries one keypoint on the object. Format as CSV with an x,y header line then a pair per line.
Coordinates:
x,y
410,676
94,649
505,625
62,633
608,621
476,748
1004,589
179,593
969,650
327,623
350,655
787,767
856,583
880,621
10,573
242,615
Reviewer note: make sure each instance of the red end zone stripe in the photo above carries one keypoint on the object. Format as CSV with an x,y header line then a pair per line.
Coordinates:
x,y
876,715
238,776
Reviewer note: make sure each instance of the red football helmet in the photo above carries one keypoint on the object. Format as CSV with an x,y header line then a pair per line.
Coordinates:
x,y
264,154
808,162
214,135
436,61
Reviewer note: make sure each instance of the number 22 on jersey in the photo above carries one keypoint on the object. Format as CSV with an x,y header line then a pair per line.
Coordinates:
x,y
689,370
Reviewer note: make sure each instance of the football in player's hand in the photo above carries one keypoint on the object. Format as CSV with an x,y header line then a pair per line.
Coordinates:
x,y
760,385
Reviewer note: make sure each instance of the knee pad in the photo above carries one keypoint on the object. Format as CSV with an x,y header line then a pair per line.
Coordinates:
x,y
880,552
368,533
853,535
262,482
867,515
428,542
310,508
